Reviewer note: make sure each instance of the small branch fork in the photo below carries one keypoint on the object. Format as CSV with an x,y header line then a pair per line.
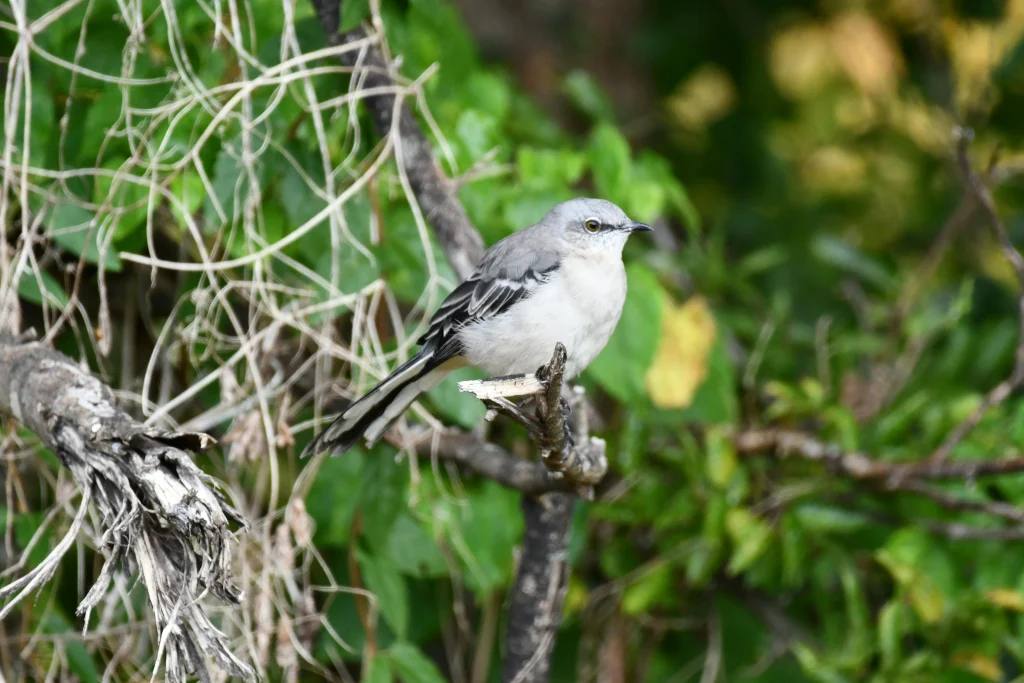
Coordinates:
x,y
163,518
571,455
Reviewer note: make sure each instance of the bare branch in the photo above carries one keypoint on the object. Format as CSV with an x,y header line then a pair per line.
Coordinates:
x,y
503,387
489,460
861,466
164,518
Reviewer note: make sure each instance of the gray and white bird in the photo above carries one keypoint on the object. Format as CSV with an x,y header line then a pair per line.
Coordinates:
x,y
560,280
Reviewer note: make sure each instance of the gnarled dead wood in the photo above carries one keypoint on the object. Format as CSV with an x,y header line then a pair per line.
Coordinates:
x,y
163,518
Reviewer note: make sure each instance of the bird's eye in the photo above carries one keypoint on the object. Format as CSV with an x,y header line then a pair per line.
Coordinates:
x,y
592,225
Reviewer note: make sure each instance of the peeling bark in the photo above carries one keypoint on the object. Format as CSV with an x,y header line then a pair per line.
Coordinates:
x,y
163,518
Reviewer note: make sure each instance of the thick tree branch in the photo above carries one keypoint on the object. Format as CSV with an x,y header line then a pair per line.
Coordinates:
x,y
163,517
535,612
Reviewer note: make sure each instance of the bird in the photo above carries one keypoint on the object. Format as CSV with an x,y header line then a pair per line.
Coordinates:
x,y
559,280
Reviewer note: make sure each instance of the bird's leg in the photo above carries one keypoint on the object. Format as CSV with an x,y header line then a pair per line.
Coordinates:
x,y
565,406
525,403
568,439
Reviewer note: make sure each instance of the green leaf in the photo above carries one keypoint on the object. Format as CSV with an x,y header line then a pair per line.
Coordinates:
x,y
890,633
610,161
721,458
923,570
353,12
190,189
386,498
477,132
127,201
544,168
585,93
80,661
483,532
334,495
461,408
412,665
489,93
380,671
413,550
645,592
716,400
750,536
28,289
231,185
622,366
847,257
71,226
382,578
829,519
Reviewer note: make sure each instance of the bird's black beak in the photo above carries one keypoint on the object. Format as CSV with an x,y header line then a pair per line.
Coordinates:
x,y
637,227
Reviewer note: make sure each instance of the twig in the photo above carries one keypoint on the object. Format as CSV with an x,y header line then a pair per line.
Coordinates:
x,y
487,460
1001,391
502,387
163,517
860,466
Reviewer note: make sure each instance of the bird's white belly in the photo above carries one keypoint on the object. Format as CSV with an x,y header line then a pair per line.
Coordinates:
x,y
579,307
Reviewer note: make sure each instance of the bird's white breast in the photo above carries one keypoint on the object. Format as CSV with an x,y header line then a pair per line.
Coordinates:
x,y
579,306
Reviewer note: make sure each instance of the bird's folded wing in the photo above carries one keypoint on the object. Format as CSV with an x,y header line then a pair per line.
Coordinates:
x,y
478,298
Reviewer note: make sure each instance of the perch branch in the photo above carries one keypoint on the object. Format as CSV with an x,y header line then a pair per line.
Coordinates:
x,y
542,576
163,517
574,457
539,589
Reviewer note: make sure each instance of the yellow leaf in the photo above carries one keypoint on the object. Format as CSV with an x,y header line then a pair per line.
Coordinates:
x,y
703,98
802,60
681,363
868,53
834,170
1006,598
576,596
927,599
980,664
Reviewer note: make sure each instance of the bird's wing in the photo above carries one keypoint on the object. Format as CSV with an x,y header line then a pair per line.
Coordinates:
x,y
481,296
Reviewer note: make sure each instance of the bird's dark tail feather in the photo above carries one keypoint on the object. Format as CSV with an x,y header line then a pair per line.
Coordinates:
x,y
373,413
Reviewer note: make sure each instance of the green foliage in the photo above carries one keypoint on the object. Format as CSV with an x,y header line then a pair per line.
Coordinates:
x,y
797,191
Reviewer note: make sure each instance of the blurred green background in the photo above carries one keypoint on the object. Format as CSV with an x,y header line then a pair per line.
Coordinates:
x,y
797,160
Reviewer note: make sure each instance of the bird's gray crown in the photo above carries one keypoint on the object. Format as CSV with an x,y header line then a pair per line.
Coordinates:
x,y
577,211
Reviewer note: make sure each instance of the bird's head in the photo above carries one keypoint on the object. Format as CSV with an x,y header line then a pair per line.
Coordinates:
x,y
592,224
